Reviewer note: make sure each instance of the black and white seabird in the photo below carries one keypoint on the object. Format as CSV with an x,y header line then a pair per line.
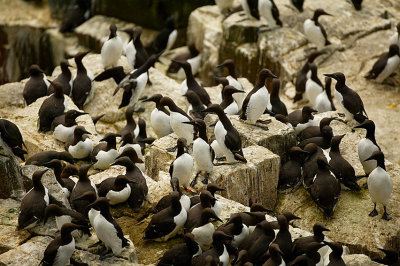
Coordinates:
x,y
314,86
283,240
227,136
215,204
10,134
107,229
301,78
36,86
182,167
83,185
135,53
75,16
112,49
349,99
191,84
300,245
310,166
324,141
202,152
168,222
132,83
302,119
52,107
276,256
116,189
139,189
203,230
194,214
192,57
165,201
105,153
380,185
60,250
395,38
335,257
259,247
323,102
291,171
43,157
63,126
325,189
262,9
218,251
81,146
159,117
367,146
34,202
311,254
386,65
64,78
232,81
229,103
341,168
57,167
130,123
196,107
181,254
177,117
165,39
315,131
130,145
278,107
314,31
235,228
83,83
257,100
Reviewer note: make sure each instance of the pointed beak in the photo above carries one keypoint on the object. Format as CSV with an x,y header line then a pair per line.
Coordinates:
x,y
274,76
87,132
327,14
82,113
189,123
218,219
132,182
220,65
238,91
330,75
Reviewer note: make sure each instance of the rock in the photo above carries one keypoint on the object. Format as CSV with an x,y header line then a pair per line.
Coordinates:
x,y
29,253
26,119
205,31
149,14
350,224
279,138
257,180
15,99
359,260
95,31
10,238
11,185
158,159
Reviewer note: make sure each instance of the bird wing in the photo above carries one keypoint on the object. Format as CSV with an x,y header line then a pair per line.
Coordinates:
x,y
354,106
117,73
378,67
253,6
275,13
51,251
323,33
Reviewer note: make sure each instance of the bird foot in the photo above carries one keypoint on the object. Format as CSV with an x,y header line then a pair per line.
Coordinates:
x,y
105,256
220,158
342,115
171,149
265,122
194,182
386,216
205,181
95,244
374,213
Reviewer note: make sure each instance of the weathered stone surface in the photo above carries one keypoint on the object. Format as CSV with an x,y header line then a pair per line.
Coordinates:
x,y
10,238
257,180
30,253
11,185
359,260
350,224
205,31
95,31
26,119
11,95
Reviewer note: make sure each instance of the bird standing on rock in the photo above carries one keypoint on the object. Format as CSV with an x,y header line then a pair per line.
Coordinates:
x,y
229,103
81,146
105,153
112,49
159,118
65,124
232,80
83,83
165,39
386,65
314,31
52,107
10,134
380,185
36,86
65,79
262,10
227,136
257,100
182,167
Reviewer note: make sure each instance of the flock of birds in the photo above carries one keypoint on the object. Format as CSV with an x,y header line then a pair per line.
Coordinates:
x,y
315,162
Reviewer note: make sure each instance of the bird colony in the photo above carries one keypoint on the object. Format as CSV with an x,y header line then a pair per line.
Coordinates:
x,y
192,210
